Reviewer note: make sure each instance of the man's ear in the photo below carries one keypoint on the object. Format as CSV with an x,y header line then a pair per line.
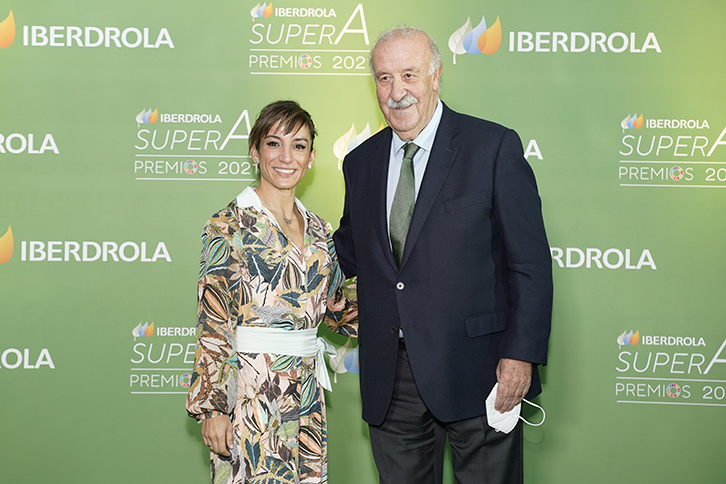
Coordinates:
x,y
437,77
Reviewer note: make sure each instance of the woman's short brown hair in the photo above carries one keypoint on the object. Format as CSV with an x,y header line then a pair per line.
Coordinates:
x,y
290,116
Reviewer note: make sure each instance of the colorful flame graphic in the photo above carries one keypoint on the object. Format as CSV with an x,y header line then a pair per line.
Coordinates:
x,y
632,122
629,339
263,10
477,40
481,40
351,361
147,116
350,140
345,361
142,331
7,31
6,246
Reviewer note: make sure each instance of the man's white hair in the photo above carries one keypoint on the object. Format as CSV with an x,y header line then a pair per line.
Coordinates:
x,y
407,33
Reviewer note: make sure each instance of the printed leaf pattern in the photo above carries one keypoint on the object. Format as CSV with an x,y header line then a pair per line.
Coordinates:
x,y
253,453
223,473
283,363
251,275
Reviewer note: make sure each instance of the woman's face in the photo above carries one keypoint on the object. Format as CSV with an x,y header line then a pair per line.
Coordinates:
x,y
284,158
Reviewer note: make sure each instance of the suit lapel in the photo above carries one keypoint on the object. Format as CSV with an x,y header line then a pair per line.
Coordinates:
x,y
443,153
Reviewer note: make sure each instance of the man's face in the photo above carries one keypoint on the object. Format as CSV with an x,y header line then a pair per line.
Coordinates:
x,y
407,93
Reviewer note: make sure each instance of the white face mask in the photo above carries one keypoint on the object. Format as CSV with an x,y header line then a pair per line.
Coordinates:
x,y
505,422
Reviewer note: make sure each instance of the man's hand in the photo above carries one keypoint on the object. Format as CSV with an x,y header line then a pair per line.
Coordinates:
x,y
514,378
217,434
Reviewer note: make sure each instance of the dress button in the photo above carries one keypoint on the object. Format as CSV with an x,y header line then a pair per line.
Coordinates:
x,y
400,286
394,330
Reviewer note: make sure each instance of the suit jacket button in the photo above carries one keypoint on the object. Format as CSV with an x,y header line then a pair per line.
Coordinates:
x,y
400,286
394,330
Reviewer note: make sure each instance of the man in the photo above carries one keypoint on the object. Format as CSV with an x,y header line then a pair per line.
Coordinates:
x,y
454,275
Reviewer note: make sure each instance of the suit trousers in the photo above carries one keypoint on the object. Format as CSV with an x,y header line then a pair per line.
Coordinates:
x,y
408,447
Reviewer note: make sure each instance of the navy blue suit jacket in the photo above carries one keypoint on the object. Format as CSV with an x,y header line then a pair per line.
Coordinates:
x,y
475,282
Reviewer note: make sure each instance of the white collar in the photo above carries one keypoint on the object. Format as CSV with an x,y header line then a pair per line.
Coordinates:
x,y
425,138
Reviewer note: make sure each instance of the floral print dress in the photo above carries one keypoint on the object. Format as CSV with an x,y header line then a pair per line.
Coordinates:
x,y
251,275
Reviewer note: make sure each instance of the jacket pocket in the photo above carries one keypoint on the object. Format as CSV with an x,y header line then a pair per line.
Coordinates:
x,y
487,323
466,201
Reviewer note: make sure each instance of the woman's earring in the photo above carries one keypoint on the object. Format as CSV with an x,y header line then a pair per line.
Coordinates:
x,y
310,166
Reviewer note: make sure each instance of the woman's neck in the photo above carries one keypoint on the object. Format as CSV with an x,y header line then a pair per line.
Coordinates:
x,y
281,202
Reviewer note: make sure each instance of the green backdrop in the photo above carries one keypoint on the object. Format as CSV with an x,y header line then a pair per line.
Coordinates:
x,y
123,127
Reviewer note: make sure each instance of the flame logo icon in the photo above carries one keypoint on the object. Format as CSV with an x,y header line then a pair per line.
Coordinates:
x,y
632,122
629,339
7,31
350,140
346,361
143,331
6,246
478,40
262,11
147,116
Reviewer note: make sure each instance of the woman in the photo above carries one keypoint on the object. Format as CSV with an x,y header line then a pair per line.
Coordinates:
x,y
268,277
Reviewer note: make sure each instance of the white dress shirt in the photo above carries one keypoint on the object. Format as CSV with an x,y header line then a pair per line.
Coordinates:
x,y
425,140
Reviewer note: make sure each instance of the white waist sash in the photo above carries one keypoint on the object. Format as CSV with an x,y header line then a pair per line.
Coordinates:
x,y
302,342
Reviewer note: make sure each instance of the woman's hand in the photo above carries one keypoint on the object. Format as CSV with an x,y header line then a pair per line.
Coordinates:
x,y
217,434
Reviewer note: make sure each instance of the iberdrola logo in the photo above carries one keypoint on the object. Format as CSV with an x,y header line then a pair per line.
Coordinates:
x,y
628,338
263,10
145,117
345,361
478,40
6,246
632,122
350,141
143,331
7,31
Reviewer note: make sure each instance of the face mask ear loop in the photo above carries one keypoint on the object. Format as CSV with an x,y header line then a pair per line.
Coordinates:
x,y
544,415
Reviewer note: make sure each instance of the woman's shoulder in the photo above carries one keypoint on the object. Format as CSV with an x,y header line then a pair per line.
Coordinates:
x,y
221,220
225,213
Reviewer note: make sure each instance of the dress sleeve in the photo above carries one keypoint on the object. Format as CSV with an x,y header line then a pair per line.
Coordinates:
x,y
341,314
213,383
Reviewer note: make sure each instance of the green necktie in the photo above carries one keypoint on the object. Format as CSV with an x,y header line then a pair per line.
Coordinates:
x,y
403,202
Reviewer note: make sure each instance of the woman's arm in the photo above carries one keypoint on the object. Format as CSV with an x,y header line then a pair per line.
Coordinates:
x,y
213,381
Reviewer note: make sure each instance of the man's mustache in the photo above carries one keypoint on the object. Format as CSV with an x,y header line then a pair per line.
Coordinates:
x,y
403,103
